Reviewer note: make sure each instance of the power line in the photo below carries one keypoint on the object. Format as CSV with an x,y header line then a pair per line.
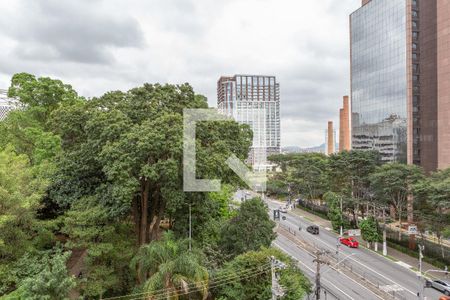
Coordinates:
x,y
223,277
214,285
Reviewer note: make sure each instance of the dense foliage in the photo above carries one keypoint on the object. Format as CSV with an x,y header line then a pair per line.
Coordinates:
x,y
94,188
366,187
254,273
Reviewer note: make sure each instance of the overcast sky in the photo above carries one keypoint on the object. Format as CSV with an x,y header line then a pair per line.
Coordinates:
x,y
97,46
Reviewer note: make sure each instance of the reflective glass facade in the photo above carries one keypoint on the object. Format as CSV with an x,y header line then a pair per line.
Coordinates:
x,y
379,78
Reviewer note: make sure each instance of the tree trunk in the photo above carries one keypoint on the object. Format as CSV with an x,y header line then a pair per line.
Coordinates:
x,y
399,223
141,219
392,211
144,214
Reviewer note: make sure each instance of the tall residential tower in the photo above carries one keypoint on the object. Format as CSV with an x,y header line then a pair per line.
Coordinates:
x,y
400,80
253,100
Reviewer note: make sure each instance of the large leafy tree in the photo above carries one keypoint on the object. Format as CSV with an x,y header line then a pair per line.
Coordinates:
x,y
304,174
27,128
309,174
126,149
248,276
21,189
432,195
392,184
43,93
349,173
249,230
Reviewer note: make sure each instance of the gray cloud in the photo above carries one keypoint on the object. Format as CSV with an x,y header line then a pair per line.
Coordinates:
x,y
106,45
73,31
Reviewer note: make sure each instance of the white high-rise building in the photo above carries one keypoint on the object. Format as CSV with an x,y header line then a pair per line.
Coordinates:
x,y
6,104
254,100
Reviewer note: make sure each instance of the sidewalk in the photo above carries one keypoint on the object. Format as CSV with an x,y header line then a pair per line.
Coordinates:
x,y
398,257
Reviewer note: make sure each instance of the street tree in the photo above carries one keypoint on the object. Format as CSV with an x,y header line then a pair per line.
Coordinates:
x,y
249,230
392,184
335,214
369,230
249,277
349,173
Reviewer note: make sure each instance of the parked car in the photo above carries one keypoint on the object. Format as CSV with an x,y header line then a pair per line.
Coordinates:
x,y
442,286
349,242
313,229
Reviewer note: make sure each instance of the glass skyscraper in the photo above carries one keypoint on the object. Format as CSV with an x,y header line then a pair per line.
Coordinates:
x,y
400,80
253,100
379,78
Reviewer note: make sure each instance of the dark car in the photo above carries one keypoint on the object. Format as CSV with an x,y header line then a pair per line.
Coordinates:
x,y
442,286
313,229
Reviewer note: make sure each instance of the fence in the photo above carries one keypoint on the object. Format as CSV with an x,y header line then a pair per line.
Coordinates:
x,y
358,272
433,253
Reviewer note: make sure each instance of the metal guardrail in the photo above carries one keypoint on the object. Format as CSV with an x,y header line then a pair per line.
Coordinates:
x,y
357,272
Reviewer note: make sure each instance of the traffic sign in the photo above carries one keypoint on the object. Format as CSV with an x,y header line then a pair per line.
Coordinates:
x,y
412,229
354,232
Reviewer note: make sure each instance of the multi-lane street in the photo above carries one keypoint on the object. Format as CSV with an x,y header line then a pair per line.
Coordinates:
x,y
363,273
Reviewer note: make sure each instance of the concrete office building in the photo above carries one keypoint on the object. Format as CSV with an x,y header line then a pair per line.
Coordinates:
x,y
344,126
254,100
400,80
6,104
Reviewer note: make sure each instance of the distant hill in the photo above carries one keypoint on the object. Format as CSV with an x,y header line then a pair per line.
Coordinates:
x,y
296,149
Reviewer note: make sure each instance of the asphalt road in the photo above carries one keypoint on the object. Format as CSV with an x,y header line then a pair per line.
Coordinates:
x,y
390,276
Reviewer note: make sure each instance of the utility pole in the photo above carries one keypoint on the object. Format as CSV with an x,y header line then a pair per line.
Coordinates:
x,y
384,233
338,246
190,227
277,290
342,218
421,284
318,260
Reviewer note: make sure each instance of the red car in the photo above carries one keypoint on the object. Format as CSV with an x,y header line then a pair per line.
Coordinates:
x,y
349,241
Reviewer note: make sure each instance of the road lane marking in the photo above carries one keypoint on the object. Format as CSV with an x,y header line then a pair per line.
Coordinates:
x,y
352,259
403,264
345,275
303,264
391,288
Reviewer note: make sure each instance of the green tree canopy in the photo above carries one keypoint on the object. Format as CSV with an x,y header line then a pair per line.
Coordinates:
x,y
249,230
249,277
